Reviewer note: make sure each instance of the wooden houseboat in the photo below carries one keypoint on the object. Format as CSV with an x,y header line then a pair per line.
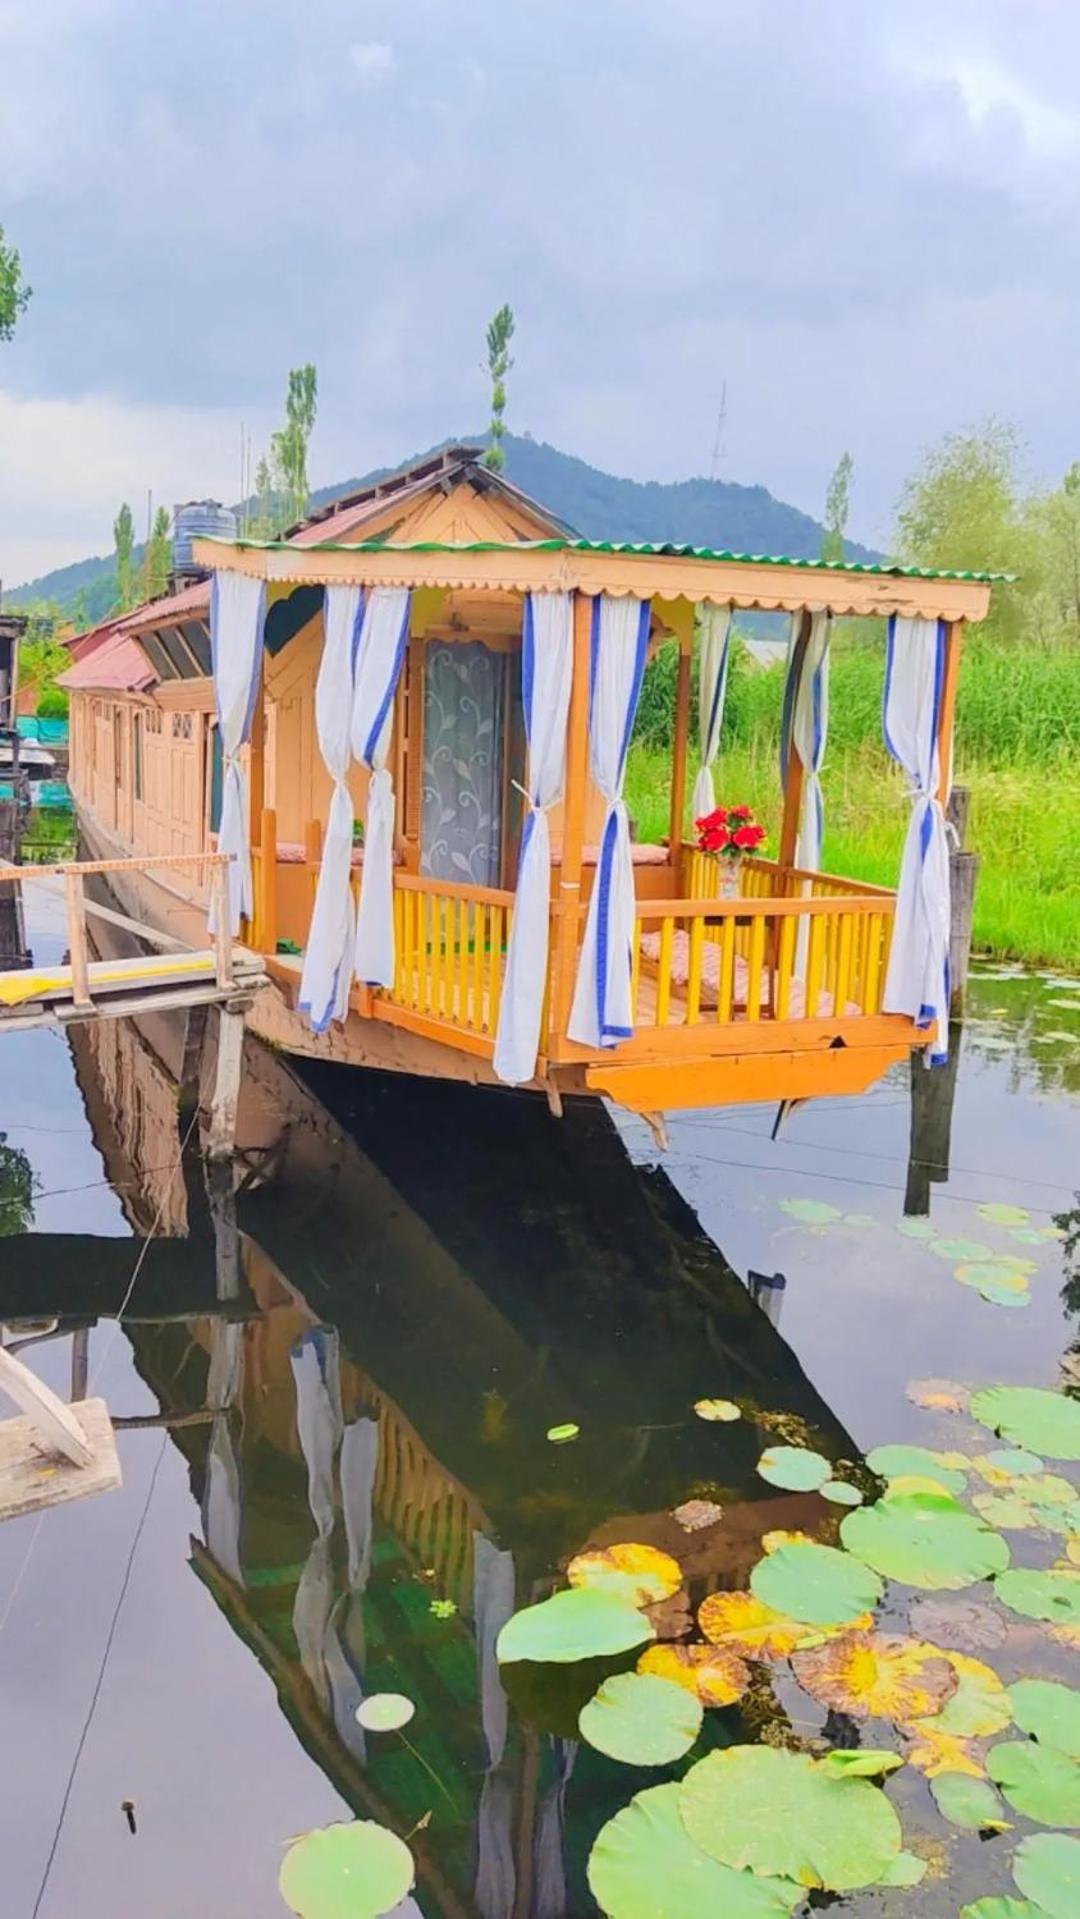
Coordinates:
x,y
407,722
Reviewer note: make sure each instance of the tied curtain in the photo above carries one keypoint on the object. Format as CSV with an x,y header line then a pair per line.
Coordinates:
x,y
602,1013
328,960
547,664
714,652
917,981
237,610
805,725
380,652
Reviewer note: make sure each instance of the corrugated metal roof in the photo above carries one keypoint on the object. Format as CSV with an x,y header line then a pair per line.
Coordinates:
x,y
667,549
119,665
191,603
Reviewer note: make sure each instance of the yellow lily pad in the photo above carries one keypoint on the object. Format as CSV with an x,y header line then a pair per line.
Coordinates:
x,y
714,1674
876,1675
640,1575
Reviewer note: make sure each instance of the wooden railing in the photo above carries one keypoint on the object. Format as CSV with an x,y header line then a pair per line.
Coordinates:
x,y
699,961
451,951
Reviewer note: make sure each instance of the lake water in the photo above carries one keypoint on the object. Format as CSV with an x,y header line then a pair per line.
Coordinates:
x,y
353,1483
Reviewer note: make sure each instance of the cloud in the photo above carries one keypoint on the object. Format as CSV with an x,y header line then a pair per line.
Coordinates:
x,y
373,61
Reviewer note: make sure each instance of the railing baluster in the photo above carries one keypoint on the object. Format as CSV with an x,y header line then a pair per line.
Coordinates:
x,y
635,972
843,969
785,965
815,964
496,964
726,991
663,980
693,984
754,967
479,920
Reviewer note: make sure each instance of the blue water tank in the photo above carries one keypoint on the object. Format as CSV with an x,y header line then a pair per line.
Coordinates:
x,y
193,521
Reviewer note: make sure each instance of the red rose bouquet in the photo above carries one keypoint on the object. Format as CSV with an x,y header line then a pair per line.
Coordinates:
x,y
729,832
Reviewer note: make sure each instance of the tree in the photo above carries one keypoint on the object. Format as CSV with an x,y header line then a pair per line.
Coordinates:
x,y
157,564
14,292
16,1190
837,505
963,508
1057,520
288,449
124,543
499,335
42,658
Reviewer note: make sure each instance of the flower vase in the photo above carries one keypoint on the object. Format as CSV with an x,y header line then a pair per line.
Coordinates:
x,y
729,878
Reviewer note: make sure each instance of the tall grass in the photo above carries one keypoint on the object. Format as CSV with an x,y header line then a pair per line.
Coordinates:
x,y
1018,749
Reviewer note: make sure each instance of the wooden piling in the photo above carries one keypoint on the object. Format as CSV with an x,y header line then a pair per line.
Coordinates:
x,y
963,875
225,1097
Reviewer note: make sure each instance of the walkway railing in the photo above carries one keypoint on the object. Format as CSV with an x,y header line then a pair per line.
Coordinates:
x,y
451,951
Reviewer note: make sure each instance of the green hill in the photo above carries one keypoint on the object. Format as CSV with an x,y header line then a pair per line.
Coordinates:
x,y
600,505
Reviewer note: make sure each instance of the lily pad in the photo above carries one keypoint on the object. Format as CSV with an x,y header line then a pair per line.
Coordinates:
x,y
960,1625
1050,1489
876,1675
1048,1712
999,1214
818,1584
960,1249
935,1753
980,1705
1039,1595
716,1676
637,1575
723,1410
920,1543
1047,1868
782,1812
573,1625
812,1212
1045,1423
794,1468
896,1462
840,1492
915,1228
1013,1461
1007,1511
1001,1908
354,1871
743,1624
644,1865
859,1219
385,1711
694,1515
907,1869
970,1803
562,1435
938,1395
641,1719
1028,1235
1039,1782
864,1762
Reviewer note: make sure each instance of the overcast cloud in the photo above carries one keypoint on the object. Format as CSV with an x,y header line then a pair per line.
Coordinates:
x,y
861,216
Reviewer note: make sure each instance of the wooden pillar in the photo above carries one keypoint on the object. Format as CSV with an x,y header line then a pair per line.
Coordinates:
x,y
257,789
76,927
266,903
80,1362
569,918
963,877
954,646
789,830
678,760
225,1098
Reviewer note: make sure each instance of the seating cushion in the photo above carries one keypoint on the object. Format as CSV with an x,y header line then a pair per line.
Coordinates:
x,y
710,978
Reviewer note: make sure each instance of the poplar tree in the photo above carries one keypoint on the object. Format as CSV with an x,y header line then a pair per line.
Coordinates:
x,y
289,448
124,543
837,506
14,292
499,335
158,564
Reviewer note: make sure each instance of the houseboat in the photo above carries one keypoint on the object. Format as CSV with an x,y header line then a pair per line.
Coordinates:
x,y
407,723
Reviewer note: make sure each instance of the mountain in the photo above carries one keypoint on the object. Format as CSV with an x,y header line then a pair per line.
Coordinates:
x,y
719,513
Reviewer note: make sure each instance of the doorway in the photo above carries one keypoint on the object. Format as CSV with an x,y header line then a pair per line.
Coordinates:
x,y
471,753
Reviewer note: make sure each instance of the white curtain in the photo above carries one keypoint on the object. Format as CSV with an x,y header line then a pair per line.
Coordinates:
x,y
328,958
601,1014
714,650
917,981
547,666
380,653
806,727
237,609
222,1501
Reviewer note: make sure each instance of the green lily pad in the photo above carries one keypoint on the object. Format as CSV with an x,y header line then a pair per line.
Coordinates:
x,y
863,1762
812,1212
385,1711
579,1624
644,1865
960,1249
1010,1297
1050,1489
971,1803
923,1542
914,1462
1039,1782
1002,1908
562,1435
816,1584
641,1719
1048,1712
980,1706
783,1813
1028,1235
1007,1511
1047,1868
1047,1423
840,1492
355,1871
907,1869
1052,1595
794,1467
859,1219
1000,1214
990,1272
916,1229
1014,1461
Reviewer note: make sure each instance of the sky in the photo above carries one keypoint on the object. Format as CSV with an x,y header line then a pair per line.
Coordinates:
x,y
857,219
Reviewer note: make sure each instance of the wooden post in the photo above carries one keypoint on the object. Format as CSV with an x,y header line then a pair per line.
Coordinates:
x,y
933,1094
219,893
568,922
225,1097
789,830
266,907
954,646
76,923
80,1362
678,759
963,876
257,775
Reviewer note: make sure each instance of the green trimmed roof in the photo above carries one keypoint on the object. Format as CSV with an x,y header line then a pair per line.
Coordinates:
x,y
664,549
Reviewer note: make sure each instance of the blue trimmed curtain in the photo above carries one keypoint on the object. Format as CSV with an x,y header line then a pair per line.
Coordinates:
x,y
237,612
917,981
714,653
379,656
547,665
602,1013
328,956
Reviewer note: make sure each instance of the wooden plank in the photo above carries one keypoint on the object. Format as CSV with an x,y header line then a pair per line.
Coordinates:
x,y
76,926
649,1088
165,942
150,862
55,1425
32,1478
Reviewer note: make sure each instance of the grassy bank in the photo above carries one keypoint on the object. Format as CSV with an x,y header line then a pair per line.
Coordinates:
x,y
1018,749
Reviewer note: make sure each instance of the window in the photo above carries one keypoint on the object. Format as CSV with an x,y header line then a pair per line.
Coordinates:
x,y
181,726
217,778
137,755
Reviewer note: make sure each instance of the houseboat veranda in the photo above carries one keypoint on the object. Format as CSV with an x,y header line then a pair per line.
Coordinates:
x,y
408,721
